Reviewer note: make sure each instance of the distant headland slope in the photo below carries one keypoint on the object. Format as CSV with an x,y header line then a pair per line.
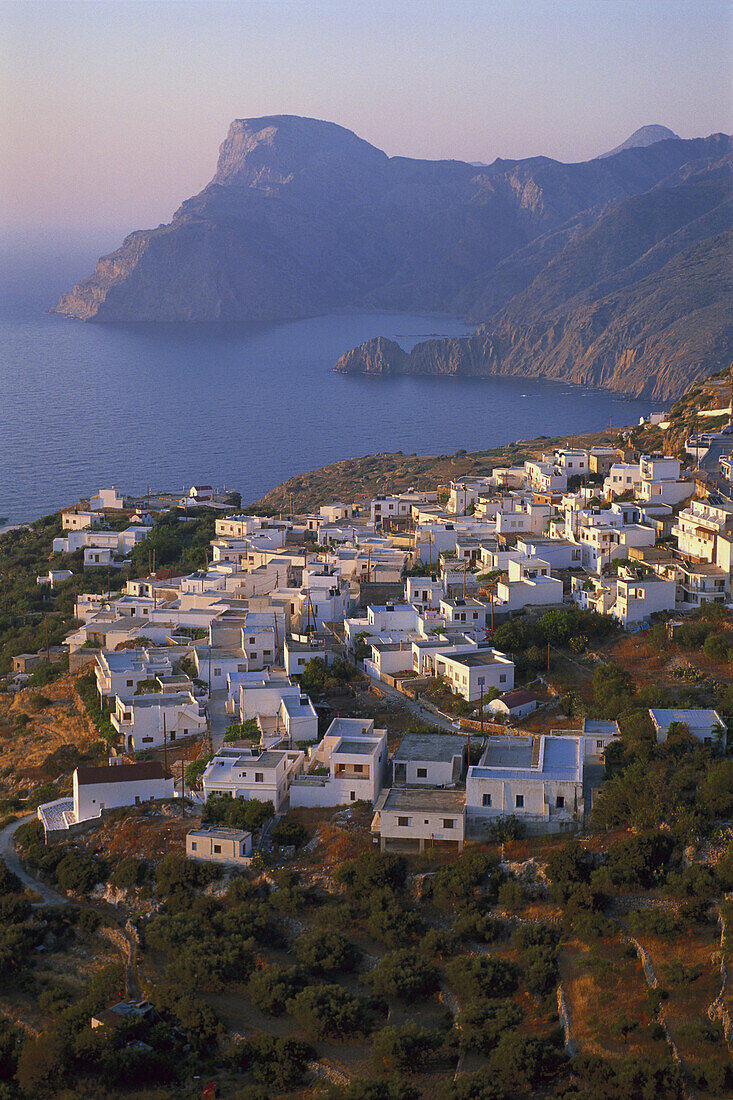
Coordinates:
x,y
614,271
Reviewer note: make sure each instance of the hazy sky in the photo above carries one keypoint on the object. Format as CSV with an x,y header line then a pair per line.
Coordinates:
x,y
112,113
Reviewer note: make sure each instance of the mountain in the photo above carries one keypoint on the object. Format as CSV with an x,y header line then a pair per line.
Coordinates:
x,y
303,217
645,135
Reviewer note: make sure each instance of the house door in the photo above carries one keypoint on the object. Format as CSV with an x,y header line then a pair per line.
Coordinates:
x,y
400,773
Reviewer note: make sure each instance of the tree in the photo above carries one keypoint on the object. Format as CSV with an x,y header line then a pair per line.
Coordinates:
x,y
272,988
279,1063
474,977
328,1011
717,647
313,676
288,833
403,1049
323,952
640,858
613,690
716,789
404,974
237,813
481,1022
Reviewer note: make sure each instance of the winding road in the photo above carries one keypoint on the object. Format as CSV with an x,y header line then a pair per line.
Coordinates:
x,y
7,853
122,939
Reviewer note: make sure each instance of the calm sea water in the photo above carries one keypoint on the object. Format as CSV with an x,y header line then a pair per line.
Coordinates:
x,y
84,406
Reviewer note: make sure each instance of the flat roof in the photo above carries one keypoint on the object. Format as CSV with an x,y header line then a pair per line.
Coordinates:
x,y
399,798
430,746
547,757
691,716
474,660
359,748
220,832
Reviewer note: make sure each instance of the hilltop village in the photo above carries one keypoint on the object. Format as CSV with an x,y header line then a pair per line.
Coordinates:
x,y
377,798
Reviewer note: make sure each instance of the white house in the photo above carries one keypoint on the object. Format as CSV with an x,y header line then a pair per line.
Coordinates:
x,y
623,477
119,673
411,820
429,760
280,708
300,649
513,704
470,673
424,592
661,482
536,779
107,498
530,584
266,774
558,553
96,789
637,598
149,721
705,531
76,520
704,725
220,845
349,765
701,583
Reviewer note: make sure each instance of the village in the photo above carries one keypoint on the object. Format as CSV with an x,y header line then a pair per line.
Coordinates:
x,y
419,671
410,589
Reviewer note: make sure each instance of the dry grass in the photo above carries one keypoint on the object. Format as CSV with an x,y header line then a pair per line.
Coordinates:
x,y
603,984
696,951
62,722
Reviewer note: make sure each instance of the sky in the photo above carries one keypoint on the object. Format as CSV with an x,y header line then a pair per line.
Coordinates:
x,y
112,113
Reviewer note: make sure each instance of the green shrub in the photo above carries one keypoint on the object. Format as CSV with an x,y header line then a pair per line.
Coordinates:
x,y
288,833
405,1049
272,988
404,974
475,977
325,952
481,1022
329,1011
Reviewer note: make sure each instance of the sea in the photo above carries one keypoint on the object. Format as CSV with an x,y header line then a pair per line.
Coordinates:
x,y
84,406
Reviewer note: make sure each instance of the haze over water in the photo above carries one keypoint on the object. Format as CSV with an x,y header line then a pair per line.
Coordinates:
x,y
86,406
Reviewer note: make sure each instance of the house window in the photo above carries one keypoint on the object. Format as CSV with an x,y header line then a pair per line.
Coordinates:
x,y
502,678
519,801
448,822
217,849
259,777
193,845
599,744
217,672
422,773
129,683
560,802
358,767
352,796
486,800
147,740
403,822
252,641
173,734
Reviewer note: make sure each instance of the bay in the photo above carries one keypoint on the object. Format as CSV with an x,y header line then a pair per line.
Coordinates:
x,y
84,406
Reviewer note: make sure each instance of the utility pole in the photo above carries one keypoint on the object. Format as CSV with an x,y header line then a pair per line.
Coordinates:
x,y
481,685
183,788
165,746
209,661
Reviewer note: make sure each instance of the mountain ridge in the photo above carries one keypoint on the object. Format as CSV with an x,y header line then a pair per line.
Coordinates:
x,y
304,217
